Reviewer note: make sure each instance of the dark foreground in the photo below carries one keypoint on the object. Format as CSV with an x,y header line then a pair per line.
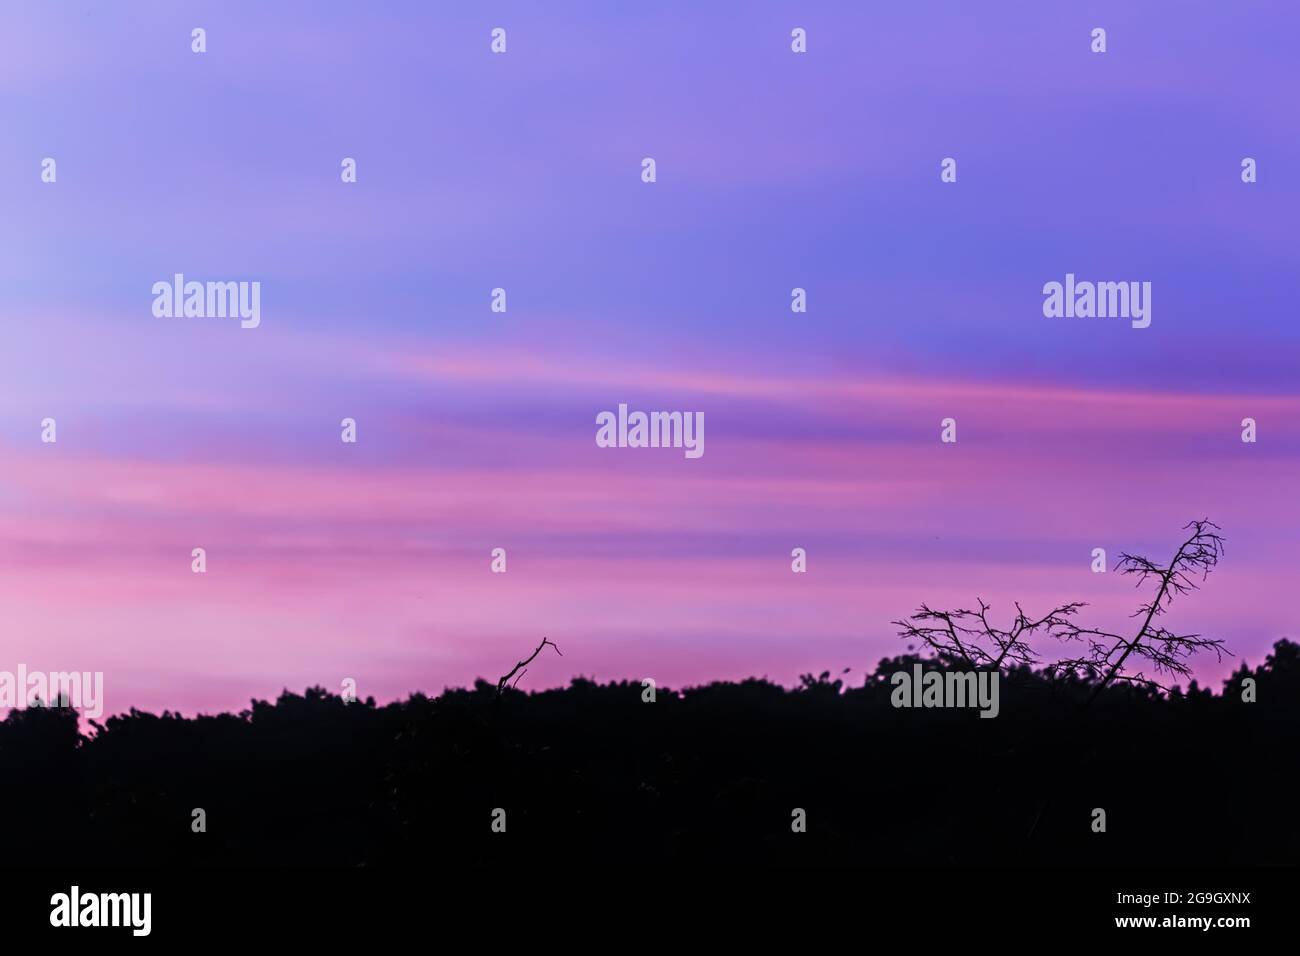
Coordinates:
x,y
592,773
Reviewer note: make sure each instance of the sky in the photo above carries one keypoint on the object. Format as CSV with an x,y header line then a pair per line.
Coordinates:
x,y
370,561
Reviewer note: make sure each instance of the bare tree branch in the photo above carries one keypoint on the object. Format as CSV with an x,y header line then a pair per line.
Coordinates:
x,y
969,636
1106,658
1166,651
501,684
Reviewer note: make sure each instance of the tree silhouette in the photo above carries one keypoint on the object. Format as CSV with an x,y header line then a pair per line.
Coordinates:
x,y
1166,651
704,774
967,637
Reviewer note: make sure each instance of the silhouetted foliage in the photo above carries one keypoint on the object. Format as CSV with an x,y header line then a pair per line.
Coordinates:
x,y
591,772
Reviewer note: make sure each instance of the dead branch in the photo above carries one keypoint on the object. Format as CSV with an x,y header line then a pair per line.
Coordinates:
x,y
1106,658
501,684
1164,650
970,637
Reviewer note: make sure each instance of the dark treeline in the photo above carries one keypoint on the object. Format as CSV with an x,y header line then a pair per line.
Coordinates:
x,y
591,772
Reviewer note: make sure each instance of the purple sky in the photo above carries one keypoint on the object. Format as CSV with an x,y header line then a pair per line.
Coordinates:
x,y
476,429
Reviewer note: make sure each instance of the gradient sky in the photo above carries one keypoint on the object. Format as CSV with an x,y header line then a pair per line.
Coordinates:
x,y
476,430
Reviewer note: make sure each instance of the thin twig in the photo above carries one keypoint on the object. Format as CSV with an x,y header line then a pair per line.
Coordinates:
x,y
501,684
